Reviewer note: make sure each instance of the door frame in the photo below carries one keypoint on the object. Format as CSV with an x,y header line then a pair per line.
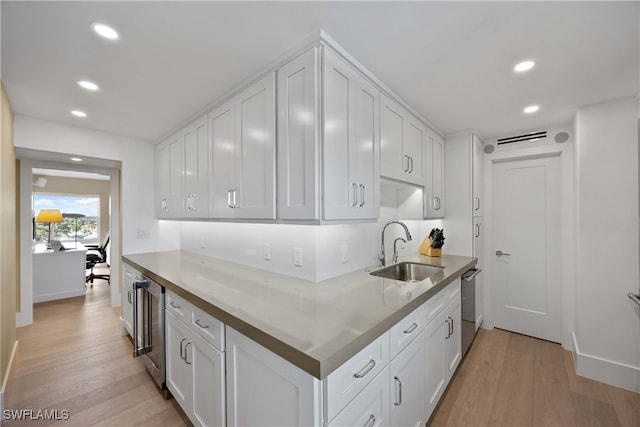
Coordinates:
x,y
24,316
568,223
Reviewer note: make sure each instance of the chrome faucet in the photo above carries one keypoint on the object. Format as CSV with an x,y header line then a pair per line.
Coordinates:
x,y
407,235
395,249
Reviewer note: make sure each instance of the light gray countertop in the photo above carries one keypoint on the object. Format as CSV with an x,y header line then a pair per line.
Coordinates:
x,y
315,326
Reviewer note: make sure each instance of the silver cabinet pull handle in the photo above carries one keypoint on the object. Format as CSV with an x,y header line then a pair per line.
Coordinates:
x,y
500,253
354,188
364,371
411,164
448,328
370,422
188,200
436,203
398,401
201,325
411,328
477,203
405,170
185,353
634,298
129,296
235,196
451,319
362,194
477,230
174,305
182,356
229,199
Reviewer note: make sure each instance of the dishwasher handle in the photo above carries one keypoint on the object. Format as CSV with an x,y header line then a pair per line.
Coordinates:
x,y
471,274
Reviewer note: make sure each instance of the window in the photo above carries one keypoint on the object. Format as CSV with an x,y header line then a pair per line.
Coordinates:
x,y
85,223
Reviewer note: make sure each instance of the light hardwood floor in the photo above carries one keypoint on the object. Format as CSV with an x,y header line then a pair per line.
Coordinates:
x,y
514,380
74,358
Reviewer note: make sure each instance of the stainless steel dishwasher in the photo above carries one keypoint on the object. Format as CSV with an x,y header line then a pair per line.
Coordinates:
x,y
468,308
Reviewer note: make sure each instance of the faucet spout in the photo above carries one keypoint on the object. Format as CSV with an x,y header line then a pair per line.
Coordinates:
x,y
407,236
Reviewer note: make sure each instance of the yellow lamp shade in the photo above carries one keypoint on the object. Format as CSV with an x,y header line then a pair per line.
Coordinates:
x,y
50,215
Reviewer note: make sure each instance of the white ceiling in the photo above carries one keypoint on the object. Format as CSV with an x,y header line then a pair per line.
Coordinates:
x,y
451,61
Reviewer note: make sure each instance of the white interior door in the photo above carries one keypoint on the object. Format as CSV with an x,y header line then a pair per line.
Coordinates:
x,y
526,253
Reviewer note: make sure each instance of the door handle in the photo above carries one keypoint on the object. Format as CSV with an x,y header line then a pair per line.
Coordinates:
x,y
186,358
405,170
182,356
478,205
398,401
362,194
500,253
235,198
354,188
410,164
229,199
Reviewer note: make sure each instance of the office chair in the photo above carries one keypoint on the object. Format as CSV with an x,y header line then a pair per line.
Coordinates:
x,y
96,255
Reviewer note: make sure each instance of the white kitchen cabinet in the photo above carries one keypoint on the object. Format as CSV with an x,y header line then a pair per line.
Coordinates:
x,y
351,157
369,408
195,144
242,146
435,181
170,185
195,374
263,389
406,374
435,375
298,137
478,202
402,143
478,252
129,276
453,338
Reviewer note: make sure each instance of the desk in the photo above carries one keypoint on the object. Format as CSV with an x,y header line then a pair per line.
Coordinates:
x,y
58,275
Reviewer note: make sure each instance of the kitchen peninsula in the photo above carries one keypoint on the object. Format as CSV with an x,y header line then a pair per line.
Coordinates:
x,y
314,328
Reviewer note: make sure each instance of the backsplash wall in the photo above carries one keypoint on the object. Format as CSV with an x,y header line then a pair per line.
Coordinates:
x,y
322,245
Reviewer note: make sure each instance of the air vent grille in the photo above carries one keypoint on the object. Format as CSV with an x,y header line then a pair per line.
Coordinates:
x,y
533,136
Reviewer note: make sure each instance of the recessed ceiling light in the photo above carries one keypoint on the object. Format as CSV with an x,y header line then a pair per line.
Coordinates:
x,y
75,159
105,31
531,109
85,84
78,113
524,66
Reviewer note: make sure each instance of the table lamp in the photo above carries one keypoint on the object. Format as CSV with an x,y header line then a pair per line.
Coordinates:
x,y
49,215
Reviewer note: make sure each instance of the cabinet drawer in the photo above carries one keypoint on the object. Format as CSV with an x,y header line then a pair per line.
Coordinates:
x,y
452,292
343,384
208,327
370,407
406,330
434,306
178,306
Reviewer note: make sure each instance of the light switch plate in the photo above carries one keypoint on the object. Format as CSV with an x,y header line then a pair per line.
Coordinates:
x,y
297,257
266,251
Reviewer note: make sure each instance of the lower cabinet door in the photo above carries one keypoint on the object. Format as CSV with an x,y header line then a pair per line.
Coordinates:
x,y
263,389
369,408
435,376
179,372
208,383
406,384
453,341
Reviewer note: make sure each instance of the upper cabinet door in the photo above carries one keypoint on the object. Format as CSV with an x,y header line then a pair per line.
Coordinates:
x,y
298,141
393,163
478,203
256,150
402,139
351,142
196,168
222,143
434,184
413,146
163,187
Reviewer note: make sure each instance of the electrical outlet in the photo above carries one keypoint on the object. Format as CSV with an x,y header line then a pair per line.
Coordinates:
x,y
297,257
344,253
266,251
143,233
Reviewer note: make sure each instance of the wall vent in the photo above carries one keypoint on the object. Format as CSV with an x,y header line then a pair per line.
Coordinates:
x,y
533,136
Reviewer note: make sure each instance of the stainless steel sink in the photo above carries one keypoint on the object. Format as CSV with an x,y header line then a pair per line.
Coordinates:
x,y
408,272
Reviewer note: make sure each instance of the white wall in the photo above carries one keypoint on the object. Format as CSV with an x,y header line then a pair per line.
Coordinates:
x,y
136,185
607,332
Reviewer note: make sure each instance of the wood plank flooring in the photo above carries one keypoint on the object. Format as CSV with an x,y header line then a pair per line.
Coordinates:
x,y
73,358
509,379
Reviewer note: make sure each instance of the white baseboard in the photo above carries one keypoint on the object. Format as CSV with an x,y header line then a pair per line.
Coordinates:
x,y
6,378
606,371
58,295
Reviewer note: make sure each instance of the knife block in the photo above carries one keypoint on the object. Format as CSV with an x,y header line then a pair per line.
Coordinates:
x,y
426,249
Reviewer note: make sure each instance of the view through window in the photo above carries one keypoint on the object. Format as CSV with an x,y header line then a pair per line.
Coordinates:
x,y
81,215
